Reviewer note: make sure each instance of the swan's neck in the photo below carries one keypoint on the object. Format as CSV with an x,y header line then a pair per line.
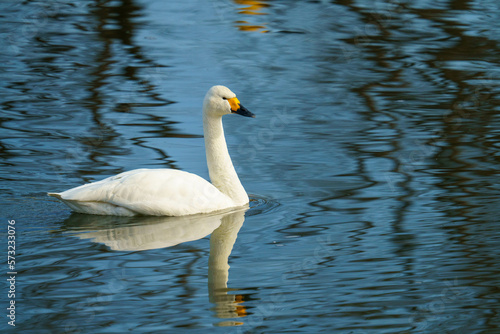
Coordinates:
x,y
220,166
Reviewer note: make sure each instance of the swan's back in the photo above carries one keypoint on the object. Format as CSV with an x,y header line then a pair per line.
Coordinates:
x,y
159,192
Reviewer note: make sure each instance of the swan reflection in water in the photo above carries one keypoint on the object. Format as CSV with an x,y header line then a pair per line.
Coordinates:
x,y
143,233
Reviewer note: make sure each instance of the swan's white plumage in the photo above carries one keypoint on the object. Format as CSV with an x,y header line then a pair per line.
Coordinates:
x,y
156,192
168,192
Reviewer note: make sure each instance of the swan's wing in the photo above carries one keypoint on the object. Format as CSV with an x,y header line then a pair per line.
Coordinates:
x,y
160,192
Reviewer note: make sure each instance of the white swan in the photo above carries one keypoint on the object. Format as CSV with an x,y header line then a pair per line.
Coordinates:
x,y
169,192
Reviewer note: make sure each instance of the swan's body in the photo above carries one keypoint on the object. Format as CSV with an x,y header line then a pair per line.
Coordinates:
x,y
169,192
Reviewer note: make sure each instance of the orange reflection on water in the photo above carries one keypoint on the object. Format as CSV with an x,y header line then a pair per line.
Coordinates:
x,y
245,26
251,7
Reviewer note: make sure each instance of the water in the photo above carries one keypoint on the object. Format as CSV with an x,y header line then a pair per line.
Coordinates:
x,y
372,165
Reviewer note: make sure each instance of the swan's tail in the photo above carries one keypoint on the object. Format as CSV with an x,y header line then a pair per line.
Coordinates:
x,y
56,195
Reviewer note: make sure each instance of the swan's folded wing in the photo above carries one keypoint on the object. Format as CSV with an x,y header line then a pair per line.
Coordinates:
x,y
161,192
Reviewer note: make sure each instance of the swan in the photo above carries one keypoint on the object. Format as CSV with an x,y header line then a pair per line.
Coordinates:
x,y
169,192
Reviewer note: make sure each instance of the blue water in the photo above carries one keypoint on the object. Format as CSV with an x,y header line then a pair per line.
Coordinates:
x,y
372,165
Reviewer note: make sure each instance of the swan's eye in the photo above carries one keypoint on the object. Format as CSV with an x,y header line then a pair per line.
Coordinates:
x,y
224,98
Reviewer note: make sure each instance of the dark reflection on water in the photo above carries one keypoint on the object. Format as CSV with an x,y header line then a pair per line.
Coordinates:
x,y
373,160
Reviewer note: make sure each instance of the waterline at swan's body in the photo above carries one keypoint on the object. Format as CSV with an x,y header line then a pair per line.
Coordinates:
x,y
168,192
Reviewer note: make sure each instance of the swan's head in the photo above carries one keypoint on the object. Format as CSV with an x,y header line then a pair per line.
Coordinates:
x,y
220,101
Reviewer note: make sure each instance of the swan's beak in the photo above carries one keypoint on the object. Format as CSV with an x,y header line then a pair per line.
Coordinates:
x,y
237,108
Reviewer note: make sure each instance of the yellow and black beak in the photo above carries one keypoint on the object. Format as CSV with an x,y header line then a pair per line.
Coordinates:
x,y
237,108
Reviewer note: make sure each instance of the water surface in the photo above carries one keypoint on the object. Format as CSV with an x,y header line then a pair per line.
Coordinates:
x,y
372,165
